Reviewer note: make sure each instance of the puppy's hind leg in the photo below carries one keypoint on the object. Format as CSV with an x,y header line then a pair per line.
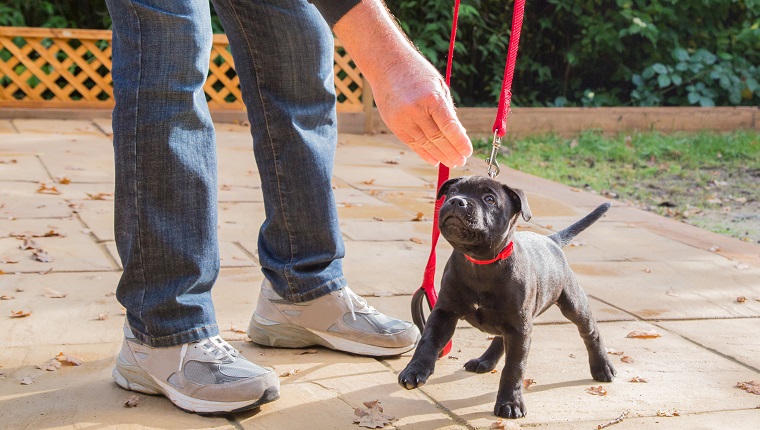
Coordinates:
x,y
488,361
573,303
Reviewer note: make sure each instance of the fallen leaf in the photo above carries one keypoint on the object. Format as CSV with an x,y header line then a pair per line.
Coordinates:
x,y
103,317
98,196
672,293
51,366
111,294
378,218
42,256
597,391
502,425
132,402
417,240
26,380
453,357
617,420
373,416
28,244
494,371
749,386
8,261
63,180
741,266
237,329
647,270
646,334
390,161
741,299
369,182
614,352
4,297
638,379
72,360
20,314
714,249
290,373
53,294
44,189
575,190
528,382
308,351
420,217
661,413
626,359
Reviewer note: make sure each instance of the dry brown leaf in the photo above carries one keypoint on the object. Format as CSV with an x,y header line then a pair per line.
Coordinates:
x,y
44,189
504,425
132,402
72,360
308,351
28,244
597,391
373,416
237,329
4,297
420,217
51,366
63,180
26,380
390,161
661,413
20,314
741,299
645,334
638,379
98,196
290,373
749,386
626,359
378,218
102,317
575,190
42,256
614,352
417,240
53,294
369,182
494,371
528,382
8,261
647,270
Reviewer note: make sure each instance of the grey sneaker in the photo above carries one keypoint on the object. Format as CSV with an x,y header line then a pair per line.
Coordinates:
x,y
206,377
340,320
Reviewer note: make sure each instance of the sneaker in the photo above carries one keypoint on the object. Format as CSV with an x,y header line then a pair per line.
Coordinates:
x,y
206,377
340,320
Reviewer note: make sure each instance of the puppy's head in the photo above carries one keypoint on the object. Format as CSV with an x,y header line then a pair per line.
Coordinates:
x,y
479,214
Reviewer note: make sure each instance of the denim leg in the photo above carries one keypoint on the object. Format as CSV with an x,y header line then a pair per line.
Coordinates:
x,y
165,155
283,52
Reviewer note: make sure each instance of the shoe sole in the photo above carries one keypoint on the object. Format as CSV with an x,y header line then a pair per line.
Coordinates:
x,y
270,333
184,402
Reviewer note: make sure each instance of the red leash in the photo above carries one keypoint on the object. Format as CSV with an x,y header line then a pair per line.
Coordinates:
x,y
427,290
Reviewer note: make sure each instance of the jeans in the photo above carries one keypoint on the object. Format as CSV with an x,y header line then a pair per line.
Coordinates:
x,y
165,156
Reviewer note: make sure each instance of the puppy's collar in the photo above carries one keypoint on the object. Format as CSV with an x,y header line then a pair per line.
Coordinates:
x,y
503,255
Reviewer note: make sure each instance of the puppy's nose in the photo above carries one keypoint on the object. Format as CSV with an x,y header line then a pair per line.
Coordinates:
x,y
458,201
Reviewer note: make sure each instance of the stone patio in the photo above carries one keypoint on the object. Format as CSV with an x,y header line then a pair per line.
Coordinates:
x,y
642,271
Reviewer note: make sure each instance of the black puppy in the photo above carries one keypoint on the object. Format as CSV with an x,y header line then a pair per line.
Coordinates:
x,y
499,281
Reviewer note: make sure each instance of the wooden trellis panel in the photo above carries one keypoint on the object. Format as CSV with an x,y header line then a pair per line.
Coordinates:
x,y
67,68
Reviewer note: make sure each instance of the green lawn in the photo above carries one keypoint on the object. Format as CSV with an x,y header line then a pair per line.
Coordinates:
x,y
707,179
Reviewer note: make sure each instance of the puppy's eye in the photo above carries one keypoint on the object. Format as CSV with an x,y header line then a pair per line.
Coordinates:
x,y
491,200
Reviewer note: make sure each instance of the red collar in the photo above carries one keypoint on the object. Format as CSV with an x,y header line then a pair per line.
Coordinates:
x,y
504,254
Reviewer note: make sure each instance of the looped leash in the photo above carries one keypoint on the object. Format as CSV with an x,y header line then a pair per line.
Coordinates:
x,y
427,290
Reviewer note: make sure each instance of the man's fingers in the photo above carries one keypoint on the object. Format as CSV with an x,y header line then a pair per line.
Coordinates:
x,y
437,144
445,118
413,143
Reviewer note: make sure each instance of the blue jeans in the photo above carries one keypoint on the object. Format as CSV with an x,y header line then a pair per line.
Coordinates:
x,y
165,155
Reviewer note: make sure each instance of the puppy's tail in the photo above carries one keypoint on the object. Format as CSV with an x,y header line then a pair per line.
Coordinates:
x,y
567,235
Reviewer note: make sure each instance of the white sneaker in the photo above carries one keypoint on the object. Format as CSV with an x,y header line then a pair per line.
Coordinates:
x,y
340,320
206,377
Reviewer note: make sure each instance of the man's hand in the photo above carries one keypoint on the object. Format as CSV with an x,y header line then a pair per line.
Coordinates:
x,y
411,96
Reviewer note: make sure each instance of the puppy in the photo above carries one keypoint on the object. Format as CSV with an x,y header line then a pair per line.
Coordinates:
x,y
499,281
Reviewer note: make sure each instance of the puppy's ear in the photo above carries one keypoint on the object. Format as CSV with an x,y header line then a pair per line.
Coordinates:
x,y
519,199
445,187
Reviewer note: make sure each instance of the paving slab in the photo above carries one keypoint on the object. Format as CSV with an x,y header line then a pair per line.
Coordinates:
x,y
6,127
736,338
56,126
21,167
31,206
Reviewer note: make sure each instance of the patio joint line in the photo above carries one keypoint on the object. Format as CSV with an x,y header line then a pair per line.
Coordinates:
x,y
712,350
438,405
247,253
97,126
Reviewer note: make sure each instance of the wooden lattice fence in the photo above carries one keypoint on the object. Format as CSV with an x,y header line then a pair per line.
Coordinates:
x,y
68,68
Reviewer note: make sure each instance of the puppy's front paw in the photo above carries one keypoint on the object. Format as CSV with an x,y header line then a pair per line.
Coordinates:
x,y
414,376
514,408
603,371
478,365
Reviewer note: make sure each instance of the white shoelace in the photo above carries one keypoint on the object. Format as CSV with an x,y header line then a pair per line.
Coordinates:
x,y
350,296
216,346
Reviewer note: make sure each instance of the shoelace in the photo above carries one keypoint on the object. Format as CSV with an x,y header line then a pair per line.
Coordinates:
x,y
216,346
350,296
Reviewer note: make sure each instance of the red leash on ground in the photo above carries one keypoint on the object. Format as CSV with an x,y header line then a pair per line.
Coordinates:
x,y
427,290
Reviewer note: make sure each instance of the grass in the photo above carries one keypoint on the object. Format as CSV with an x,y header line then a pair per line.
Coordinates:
x,y
708,179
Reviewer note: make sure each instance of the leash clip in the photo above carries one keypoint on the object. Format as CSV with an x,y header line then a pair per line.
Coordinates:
x,y
493,165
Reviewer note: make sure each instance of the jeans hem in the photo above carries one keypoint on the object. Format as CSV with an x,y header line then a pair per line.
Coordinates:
x,y
315,293
179,338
